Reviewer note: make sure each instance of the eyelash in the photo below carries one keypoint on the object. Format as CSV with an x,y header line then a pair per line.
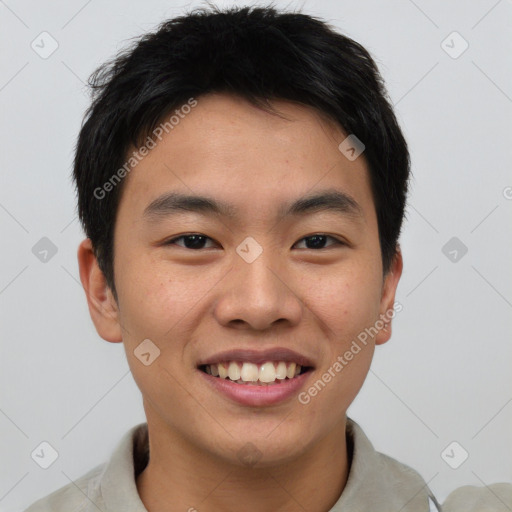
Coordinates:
x,y
173,240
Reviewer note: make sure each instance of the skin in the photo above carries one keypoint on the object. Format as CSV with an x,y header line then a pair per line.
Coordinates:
x,y
193,303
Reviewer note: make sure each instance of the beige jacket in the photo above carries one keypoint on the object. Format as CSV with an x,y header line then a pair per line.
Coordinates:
x,y
376,483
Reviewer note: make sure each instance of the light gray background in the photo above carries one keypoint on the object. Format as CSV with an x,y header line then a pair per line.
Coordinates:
x,y
445,375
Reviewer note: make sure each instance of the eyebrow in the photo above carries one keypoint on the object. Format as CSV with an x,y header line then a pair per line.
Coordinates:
x,y
330,200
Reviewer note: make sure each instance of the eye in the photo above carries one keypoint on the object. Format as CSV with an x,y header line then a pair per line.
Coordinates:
x,y
197,241
192,241
317,241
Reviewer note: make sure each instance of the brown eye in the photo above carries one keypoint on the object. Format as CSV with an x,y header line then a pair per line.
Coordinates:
x,y
192,241
318,241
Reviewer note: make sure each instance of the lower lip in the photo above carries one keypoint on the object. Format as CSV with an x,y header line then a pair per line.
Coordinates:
x,y
255,395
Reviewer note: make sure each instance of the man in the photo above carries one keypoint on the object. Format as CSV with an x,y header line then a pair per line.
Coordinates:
x,y
242,180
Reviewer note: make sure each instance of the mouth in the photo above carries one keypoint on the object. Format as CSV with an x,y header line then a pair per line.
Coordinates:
x,y
254,378
268,373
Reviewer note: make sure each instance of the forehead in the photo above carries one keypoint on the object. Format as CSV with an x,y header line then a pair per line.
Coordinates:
x,y
226,147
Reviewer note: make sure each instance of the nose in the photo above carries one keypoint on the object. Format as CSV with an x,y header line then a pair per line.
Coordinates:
x,y
259,295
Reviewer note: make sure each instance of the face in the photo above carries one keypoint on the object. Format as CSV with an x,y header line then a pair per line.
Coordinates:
x,y
258,270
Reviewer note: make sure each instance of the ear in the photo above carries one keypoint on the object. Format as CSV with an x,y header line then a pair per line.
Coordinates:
x,y
388,296
102,304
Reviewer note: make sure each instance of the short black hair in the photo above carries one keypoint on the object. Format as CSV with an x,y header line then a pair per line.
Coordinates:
x,y
259,54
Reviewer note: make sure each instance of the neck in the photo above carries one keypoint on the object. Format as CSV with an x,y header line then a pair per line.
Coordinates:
x,y
182,477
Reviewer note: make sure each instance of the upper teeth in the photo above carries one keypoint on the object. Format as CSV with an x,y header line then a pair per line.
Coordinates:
x,y
250,372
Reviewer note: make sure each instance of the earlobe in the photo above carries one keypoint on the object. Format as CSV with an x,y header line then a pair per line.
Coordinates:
x,y
387,304
102,305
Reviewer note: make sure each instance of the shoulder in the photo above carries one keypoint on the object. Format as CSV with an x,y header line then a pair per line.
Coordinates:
x,y
491,498
379,482
397,470
403,478
108,486
74,497
379,466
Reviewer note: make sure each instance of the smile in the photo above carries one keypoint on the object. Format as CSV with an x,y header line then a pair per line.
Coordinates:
x,y
266,374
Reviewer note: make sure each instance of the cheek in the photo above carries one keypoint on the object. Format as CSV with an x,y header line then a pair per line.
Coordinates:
x,y
164,303
151,294
344,313
347,302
